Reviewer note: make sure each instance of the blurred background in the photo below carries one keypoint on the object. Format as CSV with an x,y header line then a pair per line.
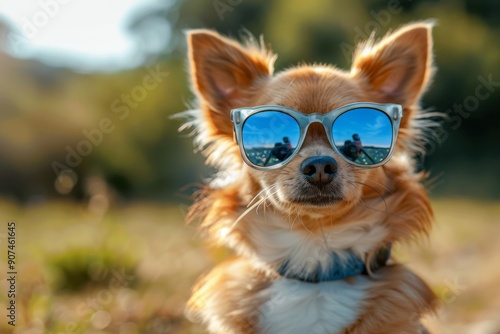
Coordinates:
x,y
97,178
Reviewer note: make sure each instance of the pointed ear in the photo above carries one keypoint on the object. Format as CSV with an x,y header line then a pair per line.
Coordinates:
x,y
223,74
399,67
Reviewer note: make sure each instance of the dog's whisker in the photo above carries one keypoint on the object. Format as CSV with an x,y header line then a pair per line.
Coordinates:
x,y
291,212
265,198
331,223
380,184
376,191
246,212
325,238
386,211
308,230
260,193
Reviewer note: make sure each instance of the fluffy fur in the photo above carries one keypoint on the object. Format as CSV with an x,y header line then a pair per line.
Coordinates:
x,y
268,217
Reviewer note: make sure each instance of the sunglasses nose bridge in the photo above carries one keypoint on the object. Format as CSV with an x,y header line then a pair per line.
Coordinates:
x,y
315,131
315,118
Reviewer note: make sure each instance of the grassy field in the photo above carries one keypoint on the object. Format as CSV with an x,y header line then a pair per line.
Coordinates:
x,y
83,269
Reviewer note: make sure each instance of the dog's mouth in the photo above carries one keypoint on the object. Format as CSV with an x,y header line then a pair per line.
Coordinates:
x,y
317,199
317,196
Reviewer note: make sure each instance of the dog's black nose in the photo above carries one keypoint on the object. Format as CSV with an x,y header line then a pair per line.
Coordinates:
x,y
320,170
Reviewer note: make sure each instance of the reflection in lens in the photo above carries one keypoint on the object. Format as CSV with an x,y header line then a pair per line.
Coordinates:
x,y
270,137
363,135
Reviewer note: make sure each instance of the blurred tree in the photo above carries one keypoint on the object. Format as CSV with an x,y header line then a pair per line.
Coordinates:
x,y
45,110
467,52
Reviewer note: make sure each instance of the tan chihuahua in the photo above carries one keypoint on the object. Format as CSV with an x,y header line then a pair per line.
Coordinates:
x,y
316,182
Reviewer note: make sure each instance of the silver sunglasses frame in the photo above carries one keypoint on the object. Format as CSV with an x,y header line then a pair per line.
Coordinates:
x,y
239,116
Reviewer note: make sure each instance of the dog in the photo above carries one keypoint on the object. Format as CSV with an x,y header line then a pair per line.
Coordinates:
x,y
316,181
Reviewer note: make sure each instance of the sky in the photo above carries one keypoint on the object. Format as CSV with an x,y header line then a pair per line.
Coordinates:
x,y
82,34
373,127
266,129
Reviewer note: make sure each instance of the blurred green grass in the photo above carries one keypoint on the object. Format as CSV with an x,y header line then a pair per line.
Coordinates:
x,y
155,256
136,265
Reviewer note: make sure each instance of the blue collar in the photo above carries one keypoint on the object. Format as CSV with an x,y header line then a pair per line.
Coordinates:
x,y
348,265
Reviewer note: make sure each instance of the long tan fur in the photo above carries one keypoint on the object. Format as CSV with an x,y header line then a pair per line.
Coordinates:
x,y
245,209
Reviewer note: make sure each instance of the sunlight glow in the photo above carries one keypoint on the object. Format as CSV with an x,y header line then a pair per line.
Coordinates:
x,y
85,34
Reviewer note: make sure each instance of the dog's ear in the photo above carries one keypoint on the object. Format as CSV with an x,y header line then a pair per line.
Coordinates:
x,y
224,74
399,67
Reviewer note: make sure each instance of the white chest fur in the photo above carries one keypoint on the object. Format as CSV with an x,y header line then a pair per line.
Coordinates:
x,y
275,242
295,307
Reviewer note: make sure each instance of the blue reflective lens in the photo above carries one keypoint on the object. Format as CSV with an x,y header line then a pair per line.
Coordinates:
x,y
270,137
363,135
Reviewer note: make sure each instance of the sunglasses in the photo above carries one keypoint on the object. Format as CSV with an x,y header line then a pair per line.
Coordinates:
x,y
362,133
